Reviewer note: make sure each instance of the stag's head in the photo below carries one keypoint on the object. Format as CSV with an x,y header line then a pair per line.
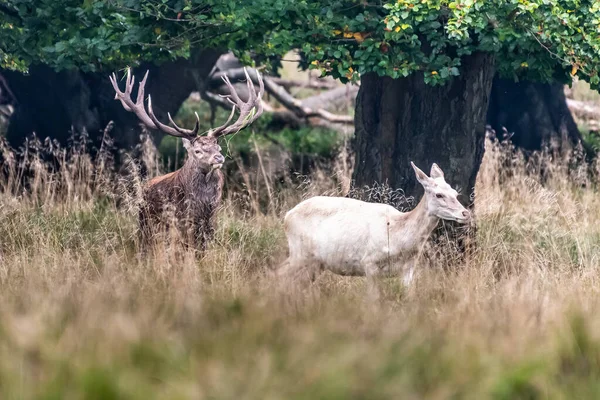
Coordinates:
x,y
204,150
442,199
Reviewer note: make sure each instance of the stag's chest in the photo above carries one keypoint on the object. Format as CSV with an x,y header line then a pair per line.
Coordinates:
x,y
205,188
199,195
202,194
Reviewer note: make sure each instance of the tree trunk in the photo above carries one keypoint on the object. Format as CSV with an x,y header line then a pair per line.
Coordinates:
x,y
402,120
52,104
536,113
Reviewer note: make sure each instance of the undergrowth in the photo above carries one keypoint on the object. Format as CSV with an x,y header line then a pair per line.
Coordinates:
x,y
84,314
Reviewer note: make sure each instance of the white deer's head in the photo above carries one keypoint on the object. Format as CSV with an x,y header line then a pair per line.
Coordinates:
x,y
441,199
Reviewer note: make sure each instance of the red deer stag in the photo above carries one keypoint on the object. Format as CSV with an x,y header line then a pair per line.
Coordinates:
x,y
193,192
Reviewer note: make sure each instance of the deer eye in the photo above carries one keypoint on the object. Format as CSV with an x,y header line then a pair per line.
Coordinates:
x,y
439,196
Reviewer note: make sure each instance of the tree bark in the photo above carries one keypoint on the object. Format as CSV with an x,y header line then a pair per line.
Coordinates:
x,y
402,120
53,104
536,114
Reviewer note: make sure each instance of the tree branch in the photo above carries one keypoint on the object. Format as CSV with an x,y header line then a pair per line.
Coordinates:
x,y
286,118
342,119
583,110
332,98
587,113
311,84
311,107
238,74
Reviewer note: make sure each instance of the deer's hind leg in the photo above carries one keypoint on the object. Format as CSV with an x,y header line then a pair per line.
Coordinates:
x,y
145,234
300,271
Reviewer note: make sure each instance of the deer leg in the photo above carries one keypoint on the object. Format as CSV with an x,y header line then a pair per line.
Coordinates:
x,y
189,230
203,232
303,271
288,270
409,273
144,233
209,234
314,270
192,236
373,289
284,270
286,276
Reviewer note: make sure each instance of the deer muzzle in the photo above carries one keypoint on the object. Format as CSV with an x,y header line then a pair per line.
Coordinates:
x,y
465,217
218,161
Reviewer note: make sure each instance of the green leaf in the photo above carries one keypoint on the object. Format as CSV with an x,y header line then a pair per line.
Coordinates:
x,y
556,34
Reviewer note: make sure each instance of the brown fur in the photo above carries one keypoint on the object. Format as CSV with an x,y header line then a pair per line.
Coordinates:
x,y
191,195
158,179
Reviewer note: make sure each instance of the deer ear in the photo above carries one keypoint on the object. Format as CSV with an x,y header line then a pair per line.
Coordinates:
x,y
436,172
186,143
421,176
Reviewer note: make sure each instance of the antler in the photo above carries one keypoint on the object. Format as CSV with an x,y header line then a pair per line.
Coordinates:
x,y
249,111
148,118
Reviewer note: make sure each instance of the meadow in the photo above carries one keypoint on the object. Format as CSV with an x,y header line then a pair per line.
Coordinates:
x,y
85,315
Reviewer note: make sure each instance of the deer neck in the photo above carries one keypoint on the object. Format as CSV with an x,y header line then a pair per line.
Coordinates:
x,y
412,229
195,172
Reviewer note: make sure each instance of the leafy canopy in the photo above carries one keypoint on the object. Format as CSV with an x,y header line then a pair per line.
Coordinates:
x,y
544,40
90,34
538,39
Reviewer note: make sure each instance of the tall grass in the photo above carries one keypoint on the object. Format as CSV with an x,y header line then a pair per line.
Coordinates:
x,y
83,314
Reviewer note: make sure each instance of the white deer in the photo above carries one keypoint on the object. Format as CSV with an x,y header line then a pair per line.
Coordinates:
x,y
355,238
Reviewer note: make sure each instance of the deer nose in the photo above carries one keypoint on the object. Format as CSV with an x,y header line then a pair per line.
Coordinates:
x,y
219,159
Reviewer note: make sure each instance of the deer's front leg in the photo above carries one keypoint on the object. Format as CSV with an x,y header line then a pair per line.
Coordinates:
x,y
144,230
409,272
372,273
148,225
203,232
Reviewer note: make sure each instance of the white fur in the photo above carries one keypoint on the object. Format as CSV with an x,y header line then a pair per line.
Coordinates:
x,y
352,237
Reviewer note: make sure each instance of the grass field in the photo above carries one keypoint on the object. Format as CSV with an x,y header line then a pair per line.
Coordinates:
x,y
83,315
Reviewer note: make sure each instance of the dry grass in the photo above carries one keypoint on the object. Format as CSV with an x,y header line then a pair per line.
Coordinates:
x,y
84,315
